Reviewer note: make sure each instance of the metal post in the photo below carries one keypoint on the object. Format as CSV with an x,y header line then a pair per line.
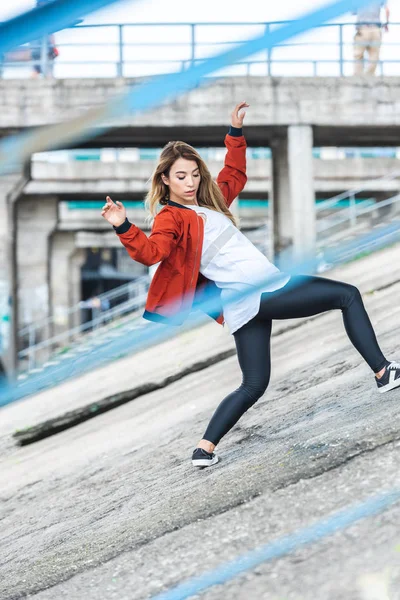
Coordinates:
x,y
44,56
267,30
13,278
120,65
95,317
352,210
193,43
31,355
341,50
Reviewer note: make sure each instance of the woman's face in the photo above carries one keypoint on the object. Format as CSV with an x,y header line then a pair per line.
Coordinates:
x,y
183,181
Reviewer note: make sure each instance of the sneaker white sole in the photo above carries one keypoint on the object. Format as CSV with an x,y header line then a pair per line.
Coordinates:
x,y
204,462
389,386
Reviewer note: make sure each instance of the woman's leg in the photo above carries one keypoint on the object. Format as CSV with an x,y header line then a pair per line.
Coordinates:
x,y
304,296
253,349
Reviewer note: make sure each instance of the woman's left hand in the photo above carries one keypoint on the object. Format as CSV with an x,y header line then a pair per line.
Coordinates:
x,y
237,117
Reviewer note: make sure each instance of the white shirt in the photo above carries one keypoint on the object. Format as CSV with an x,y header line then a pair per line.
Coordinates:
x,y
236,266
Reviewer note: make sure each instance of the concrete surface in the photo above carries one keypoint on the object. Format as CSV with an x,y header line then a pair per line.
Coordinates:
x,y
114,509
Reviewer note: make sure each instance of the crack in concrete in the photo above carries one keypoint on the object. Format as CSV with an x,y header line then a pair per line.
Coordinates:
x,y
72,418
366,447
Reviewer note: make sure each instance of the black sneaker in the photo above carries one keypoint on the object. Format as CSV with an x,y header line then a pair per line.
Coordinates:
x,y
390,379
202,458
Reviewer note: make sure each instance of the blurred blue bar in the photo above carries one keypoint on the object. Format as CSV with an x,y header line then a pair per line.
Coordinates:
x,y
45,19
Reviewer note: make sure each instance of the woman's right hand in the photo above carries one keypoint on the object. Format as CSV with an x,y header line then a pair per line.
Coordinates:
x,y
237,116
114,212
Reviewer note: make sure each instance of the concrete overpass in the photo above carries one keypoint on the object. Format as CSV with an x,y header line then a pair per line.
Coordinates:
x,y
289,115
358,111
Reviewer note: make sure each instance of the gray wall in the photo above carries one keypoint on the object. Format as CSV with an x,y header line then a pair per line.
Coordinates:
x,y
341,110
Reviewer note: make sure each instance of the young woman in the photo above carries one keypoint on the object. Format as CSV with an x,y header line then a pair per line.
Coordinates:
x,y
200,249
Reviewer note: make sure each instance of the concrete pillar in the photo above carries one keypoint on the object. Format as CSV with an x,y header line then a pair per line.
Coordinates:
x,y
280,213
11,188
36,220
293,205
76,262
301,185
61,250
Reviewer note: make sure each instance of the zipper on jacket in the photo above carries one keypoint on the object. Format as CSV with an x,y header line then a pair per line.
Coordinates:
x,y
197,247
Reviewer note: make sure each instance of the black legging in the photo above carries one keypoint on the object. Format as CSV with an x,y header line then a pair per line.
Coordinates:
x,y
302,296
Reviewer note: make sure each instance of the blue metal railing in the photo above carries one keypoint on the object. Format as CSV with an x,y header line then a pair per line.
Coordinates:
x,y
145,49
39,341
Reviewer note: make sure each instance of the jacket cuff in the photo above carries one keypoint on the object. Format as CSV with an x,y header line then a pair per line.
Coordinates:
x,y
124,227
235,131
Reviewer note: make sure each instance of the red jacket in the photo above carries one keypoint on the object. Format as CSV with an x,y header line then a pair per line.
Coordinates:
x,y
176,240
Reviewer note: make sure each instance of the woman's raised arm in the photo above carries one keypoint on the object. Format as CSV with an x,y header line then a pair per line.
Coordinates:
x,y
232,178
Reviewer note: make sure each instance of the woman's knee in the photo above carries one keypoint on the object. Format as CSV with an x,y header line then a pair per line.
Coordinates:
x,y
255,390
352,294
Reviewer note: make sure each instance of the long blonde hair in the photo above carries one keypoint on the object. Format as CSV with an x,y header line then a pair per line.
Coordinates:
x,y
208,194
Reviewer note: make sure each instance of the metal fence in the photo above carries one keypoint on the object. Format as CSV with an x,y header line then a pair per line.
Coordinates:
x,y
146,49
40,340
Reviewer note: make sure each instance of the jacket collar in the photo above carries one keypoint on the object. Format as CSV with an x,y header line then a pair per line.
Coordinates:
x,y
170,203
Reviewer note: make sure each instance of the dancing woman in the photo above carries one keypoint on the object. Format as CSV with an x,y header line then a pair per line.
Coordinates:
x,y
195,239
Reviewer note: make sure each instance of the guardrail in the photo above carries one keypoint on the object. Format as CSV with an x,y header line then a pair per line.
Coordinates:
x,y
146,49
39,337
352,222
